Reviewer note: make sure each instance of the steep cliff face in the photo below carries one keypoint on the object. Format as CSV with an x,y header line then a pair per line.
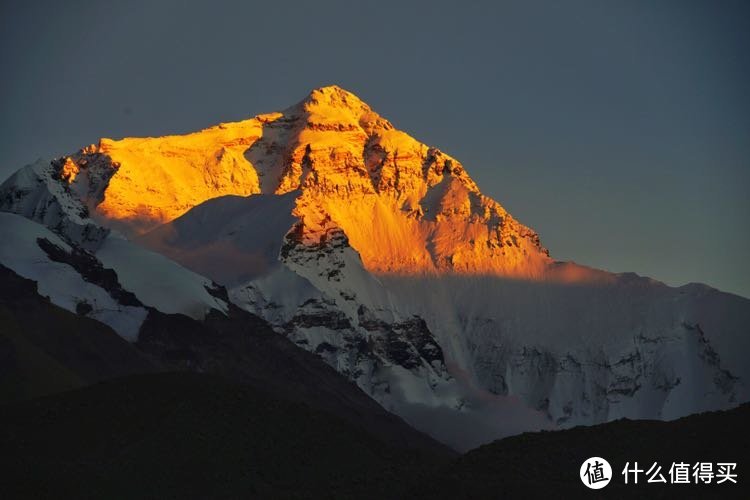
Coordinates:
x,y
421,207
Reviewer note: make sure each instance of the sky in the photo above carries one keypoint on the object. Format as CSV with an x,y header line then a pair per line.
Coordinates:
x,y
618,130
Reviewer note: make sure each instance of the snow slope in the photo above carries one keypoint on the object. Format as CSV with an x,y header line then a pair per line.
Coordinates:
x,y
158,281
230,239
586,353
60,282
115,285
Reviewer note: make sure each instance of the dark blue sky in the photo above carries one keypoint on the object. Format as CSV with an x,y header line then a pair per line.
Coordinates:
x,y
620,130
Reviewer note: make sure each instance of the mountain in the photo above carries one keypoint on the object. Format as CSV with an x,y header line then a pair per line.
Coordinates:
x,y
380,255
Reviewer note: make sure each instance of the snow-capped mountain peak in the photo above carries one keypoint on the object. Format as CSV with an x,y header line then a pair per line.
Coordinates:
x,y
381,255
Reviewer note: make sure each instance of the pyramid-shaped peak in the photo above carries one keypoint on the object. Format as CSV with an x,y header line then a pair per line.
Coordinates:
x,y
334,96
334,108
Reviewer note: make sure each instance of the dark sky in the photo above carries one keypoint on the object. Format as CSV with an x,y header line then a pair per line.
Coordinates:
x,y
619,130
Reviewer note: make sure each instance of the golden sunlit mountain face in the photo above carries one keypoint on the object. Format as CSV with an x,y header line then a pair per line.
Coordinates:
x,y
405,207
156,179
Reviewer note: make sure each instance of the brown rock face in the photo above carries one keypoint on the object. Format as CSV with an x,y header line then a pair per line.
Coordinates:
x,y
405,207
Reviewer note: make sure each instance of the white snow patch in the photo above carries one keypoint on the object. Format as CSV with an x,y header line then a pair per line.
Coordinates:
x,y
59,282
158,281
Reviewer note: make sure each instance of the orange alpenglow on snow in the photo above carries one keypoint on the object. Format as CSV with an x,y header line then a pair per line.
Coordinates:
x,y
405,207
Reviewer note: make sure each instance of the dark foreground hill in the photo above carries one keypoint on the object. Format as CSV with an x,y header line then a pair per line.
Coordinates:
x,y
546,464
185,435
